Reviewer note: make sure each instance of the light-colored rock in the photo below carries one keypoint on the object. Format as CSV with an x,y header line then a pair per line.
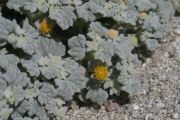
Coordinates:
x,y
155,110
135,107
175,115
160,105
147,117
135,114
177,31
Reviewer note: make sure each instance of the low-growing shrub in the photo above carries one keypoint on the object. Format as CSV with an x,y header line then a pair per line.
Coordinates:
x,y
61,47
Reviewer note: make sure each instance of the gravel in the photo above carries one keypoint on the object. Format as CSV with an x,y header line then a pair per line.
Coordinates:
x,y
159,96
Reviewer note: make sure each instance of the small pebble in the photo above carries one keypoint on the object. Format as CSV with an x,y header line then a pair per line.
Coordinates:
x,y
122,116
135,114
147,117
175,115
135,107
177,31
155,110
160,105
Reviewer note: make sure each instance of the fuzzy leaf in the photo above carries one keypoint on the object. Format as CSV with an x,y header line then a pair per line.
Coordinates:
x,y
49,73
133,87
98,28
162,31
3,43
24,106
14,77
84,12
135,61
36,109
77,47
64,90
6,27
70,64
14,4
30,63
3,84
51,107
99,2
97,95
131,84
27,38
29,30
144,5
96,8
128,16
15,115
77,79
165,11
124,47
93,83
106,52
19,94
152,22
46,93
63,16
1,93
152,44
46,46
29,5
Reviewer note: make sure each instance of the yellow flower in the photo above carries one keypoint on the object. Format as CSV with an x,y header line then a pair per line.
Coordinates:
x,y
124,1
61,112
5,113
101,72
45,27
56,59
20,40
134,40
113,33
143,15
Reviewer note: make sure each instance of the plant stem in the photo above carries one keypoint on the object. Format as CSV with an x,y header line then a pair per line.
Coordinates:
x,y
89,70
98,16
116,26
57,36
88,56
29,16
35,17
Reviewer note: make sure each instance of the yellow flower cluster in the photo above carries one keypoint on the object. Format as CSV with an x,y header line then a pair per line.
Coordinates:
x,y
45,27
101,72
143,15
113,33
124,1
134,40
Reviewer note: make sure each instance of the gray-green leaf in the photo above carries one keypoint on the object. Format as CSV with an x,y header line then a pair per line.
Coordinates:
x,y
97,95
77,47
